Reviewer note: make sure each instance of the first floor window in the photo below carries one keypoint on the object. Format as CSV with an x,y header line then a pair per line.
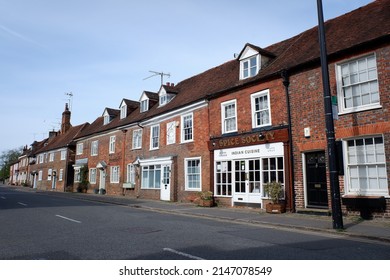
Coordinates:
x,y
79,148
261,113
61,175
51,157
94,148
171,133
114,178
154,137
193,174
112,144
187,128
151,177
137,139
223,180
130,174
63,155
366,166
229,120
358,84
92,175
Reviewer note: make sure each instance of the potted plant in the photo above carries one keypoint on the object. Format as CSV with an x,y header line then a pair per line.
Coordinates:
x,y
275,192
205,199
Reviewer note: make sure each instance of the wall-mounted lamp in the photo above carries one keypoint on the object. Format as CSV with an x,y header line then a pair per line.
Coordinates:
x,y
261,135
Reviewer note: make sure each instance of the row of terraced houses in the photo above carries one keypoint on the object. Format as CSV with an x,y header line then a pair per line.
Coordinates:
x,y
231,129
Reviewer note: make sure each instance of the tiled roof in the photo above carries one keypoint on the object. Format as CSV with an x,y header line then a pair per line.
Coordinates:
x,y
63,140
356,28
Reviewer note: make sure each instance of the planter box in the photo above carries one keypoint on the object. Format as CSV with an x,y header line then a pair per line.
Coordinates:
x,y
275,208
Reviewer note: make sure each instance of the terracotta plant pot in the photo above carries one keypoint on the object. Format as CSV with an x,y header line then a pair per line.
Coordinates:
x,y
277,208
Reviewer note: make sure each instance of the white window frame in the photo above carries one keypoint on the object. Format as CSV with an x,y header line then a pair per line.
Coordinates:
x,y
40,158
77,174
123,111
111,148
130,175
114,174
79,148
254,96
61,175
51,156
154,145
95,148
92,175
224,119
357,85
256,67
49,174
363,164
183,128
137,139
40,175
144,105
187,181
146,168
63,155
171,133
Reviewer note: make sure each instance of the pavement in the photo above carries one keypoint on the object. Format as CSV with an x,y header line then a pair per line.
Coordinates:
x,y
377,229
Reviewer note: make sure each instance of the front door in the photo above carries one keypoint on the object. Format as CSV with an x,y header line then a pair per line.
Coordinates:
x,y
165,193
247,183
317,193
102,180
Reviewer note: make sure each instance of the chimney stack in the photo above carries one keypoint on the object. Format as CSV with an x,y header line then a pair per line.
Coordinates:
x,y
65,124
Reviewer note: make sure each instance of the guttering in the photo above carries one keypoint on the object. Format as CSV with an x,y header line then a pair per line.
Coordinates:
x,y
286,83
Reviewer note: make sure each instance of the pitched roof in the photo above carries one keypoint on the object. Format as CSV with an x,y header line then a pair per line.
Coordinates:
x,y
357,28
63,140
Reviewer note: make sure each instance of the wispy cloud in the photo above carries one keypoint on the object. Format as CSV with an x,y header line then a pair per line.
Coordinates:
x,y
20,36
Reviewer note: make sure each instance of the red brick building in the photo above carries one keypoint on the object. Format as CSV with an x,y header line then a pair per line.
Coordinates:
x,y
53,167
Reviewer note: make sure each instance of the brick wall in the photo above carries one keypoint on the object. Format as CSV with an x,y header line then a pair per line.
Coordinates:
x,y
307,110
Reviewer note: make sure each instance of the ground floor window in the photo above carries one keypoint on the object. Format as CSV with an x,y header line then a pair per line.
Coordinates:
x,y
114,178
223,178
92,175
77,175
247,176
193,174
61,175
40,175
151,177
130,178
366,166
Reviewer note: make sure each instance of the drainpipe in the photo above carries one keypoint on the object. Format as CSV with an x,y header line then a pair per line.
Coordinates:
x,y
123,159
286,84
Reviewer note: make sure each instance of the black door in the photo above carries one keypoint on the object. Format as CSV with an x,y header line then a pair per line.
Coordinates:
x,y
317,194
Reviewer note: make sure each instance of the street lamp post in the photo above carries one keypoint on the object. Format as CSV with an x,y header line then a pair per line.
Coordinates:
x,y
330,134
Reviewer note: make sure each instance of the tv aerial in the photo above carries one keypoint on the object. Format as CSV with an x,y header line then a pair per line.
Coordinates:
x,y
70,99
161,74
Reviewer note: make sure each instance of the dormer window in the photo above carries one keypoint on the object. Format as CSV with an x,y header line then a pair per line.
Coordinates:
x,y
106,119
144,105
123,111
165,98
249,67
252,59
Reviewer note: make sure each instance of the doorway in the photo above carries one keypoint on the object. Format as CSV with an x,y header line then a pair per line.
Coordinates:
x,y
165,193
247,182
316,186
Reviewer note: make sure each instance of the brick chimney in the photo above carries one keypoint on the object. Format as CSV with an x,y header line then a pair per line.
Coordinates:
x,y
65,125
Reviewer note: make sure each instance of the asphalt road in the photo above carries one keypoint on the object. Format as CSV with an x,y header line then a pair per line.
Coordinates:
x,y
38,226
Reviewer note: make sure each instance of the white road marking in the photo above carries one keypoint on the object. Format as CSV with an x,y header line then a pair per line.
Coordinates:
x,y
69,219
183,254
3,197
23,204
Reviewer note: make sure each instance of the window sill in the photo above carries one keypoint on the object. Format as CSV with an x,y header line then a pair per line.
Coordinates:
x,y
359,109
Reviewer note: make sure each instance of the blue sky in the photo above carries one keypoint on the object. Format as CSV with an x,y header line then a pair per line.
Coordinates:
x,y
102,50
